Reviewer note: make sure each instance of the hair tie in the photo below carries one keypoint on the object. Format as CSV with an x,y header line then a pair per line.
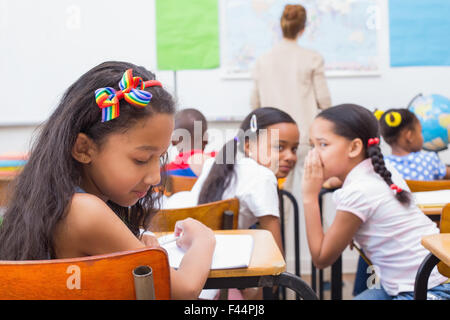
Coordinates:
x,y
378,113
396,188
373,141
393,119
253,123
131,89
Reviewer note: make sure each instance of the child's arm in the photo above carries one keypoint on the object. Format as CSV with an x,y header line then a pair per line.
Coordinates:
x,y
272,224
92,228
199,243
447,174
326,247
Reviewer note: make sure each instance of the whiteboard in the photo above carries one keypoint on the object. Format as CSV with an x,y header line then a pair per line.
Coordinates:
x,y
47,45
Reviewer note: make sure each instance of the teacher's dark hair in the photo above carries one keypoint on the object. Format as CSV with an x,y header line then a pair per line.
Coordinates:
x,y
43,191
353,121
222,171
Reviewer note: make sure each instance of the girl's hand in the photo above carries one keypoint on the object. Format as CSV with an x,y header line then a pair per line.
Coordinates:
x,y
190,230
150,241
313,179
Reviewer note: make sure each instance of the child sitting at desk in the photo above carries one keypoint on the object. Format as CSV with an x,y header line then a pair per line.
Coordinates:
x,y
402,130
373,206
190,139
88,186
246,166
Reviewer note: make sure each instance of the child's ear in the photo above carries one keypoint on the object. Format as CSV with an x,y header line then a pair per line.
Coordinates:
x,y
356,148
246,147
83,148
409,135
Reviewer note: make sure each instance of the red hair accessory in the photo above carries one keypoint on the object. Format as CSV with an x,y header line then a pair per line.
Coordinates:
x,y
396,188
373,141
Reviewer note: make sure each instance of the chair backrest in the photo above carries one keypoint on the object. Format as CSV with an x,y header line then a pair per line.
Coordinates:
x,y
213,215
105,277
445,228
176,184
419,186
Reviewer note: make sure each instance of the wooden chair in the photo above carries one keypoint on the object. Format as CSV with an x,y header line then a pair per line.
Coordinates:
x,y
219,215
419,186
105,277
176,184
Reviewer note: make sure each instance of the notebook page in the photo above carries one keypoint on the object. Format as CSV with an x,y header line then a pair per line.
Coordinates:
x,y
232,251
438,197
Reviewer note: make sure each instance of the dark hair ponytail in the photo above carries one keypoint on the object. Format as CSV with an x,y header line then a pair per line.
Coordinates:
x,y
353,121
222,171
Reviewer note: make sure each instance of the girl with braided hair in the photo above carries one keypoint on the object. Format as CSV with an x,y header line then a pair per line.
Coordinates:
x,y
373,207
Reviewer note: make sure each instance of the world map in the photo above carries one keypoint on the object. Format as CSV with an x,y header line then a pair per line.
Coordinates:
x,y
344,32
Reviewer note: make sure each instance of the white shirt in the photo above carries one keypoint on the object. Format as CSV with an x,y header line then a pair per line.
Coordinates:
x,y
390,234
253,184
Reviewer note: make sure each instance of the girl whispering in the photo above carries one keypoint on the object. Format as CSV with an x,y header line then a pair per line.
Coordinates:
x,y
88,186
373,206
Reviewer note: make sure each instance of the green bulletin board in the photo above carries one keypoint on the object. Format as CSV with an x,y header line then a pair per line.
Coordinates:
x,y
187,34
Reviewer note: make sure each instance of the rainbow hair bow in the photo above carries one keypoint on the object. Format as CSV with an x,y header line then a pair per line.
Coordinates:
x,y
131,89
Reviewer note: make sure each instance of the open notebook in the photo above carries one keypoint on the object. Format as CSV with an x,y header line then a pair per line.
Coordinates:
x,y
432,198
232,251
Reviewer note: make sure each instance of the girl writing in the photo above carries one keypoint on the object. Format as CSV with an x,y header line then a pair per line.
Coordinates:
x,y
88,186
373,206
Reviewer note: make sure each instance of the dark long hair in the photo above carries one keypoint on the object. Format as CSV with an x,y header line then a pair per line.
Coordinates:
x,y
222,171
44,189
352,121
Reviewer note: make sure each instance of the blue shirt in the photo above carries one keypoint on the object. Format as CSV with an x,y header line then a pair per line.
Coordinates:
x,y
421,165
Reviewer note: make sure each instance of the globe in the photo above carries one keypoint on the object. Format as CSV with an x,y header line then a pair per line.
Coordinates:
x,y
433,112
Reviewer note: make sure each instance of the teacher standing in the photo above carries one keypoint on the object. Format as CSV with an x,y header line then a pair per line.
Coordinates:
x,y
291,78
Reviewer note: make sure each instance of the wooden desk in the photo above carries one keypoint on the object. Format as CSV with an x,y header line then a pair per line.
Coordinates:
x,y
433,212
439,247
267,268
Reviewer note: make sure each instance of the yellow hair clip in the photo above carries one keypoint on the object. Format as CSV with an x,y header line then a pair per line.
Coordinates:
x,y
378,113
393,119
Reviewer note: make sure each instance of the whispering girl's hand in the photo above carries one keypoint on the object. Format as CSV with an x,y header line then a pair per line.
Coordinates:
x,y
312,177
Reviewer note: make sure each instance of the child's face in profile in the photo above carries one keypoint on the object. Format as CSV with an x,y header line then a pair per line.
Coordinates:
x,y
333,149
277,148
127,164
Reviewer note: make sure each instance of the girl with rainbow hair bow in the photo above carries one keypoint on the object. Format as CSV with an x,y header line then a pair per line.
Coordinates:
x,y
89,184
